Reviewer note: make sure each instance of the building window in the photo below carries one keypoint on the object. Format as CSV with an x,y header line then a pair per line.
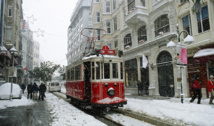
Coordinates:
x,y
142,37
108,26
203,20
161,25
127,41
131,4
97,1
143,3
108,6
115,43
114,4
187,24
9,10
115,23
98,16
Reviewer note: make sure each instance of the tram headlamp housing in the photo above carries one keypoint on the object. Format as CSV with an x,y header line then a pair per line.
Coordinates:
x,y
106,84
115,84
111,92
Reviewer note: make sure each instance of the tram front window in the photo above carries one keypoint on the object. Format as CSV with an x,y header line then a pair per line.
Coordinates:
x,y
106,71
115,70
98,70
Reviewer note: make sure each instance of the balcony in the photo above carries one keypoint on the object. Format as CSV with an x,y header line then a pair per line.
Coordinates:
x,y
137,15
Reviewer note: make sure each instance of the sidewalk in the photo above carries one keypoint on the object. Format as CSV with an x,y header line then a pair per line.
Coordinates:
x,y
172,110
35,114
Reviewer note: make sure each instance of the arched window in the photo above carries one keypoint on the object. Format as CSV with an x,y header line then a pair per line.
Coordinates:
x,y
161,25
127,40
142,37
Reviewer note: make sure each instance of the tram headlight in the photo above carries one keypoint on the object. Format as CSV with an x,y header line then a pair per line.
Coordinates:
x,y
111,92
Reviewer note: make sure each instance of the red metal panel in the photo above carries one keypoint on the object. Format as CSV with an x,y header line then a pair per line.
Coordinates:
x,y
75,89
99,93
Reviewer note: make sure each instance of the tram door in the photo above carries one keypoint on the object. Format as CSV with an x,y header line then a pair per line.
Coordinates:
x,y
87,76
165,75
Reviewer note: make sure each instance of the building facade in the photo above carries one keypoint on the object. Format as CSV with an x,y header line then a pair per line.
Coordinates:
x,y
145,27
11,15
36,58
27,52
81,18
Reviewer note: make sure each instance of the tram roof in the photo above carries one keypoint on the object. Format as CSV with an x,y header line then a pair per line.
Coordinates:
x,y
100,56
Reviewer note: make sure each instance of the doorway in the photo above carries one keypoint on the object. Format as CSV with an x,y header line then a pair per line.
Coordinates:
x,y
165,74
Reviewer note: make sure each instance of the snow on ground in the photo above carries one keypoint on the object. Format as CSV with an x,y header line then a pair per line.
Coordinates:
x,y
16,102
191,113
128,121
64,114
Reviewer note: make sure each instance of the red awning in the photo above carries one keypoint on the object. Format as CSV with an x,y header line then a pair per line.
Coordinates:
x,y
204,55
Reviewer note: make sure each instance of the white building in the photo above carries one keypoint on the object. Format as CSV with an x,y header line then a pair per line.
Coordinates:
x,y
36,54
81,18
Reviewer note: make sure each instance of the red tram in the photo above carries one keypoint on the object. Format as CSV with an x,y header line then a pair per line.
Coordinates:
x,y
97,80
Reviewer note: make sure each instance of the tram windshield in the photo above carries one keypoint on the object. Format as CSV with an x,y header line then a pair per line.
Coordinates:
x,y
111,70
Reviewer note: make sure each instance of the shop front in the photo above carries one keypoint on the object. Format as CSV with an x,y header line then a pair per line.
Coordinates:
x,y
202,64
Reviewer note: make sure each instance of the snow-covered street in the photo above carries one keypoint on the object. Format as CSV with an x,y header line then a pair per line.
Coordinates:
x,y
63,113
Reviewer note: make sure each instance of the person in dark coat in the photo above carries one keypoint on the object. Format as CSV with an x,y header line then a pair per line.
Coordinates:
x,y
42,90
140,87
23,88
29,90
196,87
35,90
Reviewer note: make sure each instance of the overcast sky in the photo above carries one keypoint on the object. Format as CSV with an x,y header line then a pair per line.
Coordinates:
x,y
52,17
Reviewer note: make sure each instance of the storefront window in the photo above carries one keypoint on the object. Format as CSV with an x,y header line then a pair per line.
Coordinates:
x,y
131,73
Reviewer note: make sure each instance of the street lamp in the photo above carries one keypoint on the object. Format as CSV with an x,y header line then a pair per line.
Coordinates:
x,y
189,39
13,52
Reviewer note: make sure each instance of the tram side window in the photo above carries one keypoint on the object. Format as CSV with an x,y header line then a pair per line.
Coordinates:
x,y
68,75
106,71
98,70
93,69
77,73
115,70
72,74
121,70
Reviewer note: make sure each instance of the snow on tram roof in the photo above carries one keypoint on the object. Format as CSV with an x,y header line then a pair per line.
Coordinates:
x,y
94,56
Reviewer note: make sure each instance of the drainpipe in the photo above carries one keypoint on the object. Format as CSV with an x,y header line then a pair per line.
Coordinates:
x,y
2,22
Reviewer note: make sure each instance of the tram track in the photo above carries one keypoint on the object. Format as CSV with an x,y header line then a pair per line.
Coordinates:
x,y
109,120
98,114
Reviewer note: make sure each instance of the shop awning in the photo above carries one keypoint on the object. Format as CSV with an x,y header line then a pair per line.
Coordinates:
x,y
204,55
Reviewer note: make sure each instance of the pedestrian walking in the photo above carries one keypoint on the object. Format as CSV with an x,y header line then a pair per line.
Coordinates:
x,y
140,87
210,86
29,90
196,87
42,90
23,87
35,91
